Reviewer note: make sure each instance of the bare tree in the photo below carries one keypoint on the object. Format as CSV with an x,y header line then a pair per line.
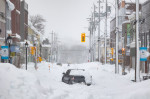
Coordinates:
x,y
38,22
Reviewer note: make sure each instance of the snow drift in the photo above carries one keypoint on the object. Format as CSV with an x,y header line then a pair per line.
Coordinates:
x,y
44,84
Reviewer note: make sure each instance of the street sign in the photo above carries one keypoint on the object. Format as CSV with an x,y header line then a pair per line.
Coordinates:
x,y
4,52
143,54
12,54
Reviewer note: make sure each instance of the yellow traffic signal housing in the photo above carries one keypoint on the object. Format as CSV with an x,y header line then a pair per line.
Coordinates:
x,y
82,37
123,51
32,50
112,51
39,59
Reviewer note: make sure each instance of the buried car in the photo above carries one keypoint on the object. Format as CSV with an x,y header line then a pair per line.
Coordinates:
x,y
77,76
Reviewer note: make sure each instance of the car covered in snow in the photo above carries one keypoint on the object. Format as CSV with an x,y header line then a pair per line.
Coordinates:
x,y
77,76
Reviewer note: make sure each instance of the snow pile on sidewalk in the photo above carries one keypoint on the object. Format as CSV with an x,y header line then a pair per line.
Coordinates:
x,y
18,84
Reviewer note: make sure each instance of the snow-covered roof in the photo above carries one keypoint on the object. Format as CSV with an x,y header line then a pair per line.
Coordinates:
x,y
46,45
127,21
16,36
18,11
22,44
11,5
132,44
9,32
133,1
1,38
42,37
32,27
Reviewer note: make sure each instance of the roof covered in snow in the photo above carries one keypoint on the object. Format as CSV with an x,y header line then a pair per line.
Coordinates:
x,y
133,1
10,5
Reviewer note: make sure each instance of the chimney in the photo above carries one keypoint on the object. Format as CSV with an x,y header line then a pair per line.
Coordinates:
x,y
123,3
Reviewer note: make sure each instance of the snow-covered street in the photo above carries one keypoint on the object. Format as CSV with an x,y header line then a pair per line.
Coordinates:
x,y
45,84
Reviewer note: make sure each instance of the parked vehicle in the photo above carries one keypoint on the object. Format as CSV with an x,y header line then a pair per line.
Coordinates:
x,y
59,64
77,76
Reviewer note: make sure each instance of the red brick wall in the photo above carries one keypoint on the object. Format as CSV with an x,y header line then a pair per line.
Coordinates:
x,y
26,27
15,18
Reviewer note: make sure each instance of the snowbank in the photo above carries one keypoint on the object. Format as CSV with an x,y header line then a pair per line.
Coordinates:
x,y
18,84
46,84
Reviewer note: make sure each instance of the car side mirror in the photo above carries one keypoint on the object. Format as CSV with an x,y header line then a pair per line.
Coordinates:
x,y
63,73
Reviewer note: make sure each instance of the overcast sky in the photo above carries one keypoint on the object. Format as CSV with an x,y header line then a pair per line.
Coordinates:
x,y
67,18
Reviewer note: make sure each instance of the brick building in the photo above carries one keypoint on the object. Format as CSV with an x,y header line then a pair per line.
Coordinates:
x,y
15,25
2,22
24,20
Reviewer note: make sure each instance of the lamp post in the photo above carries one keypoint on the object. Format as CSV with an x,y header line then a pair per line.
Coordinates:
x,y
9,41
0,31
26,45
36,54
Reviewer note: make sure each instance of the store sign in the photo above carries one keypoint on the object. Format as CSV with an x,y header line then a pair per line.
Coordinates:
x,y
12,54
15,49
4,52
143,53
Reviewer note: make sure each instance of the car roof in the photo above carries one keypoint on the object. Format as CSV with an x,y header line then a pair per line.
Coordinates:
x,y
77,69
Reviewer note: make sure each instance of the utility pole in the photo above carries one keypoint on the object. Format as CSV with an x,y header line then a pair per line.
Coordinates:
x,y
92,38
117,28
137,78
52,46
56,46
99,33
90,50
105,35
55,42
94,34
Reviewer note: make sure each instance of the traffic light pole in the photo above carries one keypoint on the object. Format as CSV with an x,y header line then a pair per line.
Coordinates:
x,y
94,33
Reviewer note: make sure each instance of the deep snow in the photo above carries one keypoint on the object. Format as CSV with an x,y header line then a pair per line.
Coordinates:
x,y
44,84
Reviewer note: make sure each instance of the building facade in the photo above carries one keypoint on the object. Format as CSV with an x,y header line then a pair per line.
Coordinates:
x,y
2,22
24,20
145,33
15,23
125,9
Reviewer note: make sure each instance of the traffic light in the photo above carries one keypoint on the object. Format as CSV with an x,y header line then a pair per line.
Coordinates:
x,y
82,37
112,51
123,51
32,50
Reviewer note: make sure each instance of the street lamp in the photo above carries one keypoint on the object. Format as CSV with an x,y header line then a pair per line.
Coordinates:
x,y
36,42
26,45
9,41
